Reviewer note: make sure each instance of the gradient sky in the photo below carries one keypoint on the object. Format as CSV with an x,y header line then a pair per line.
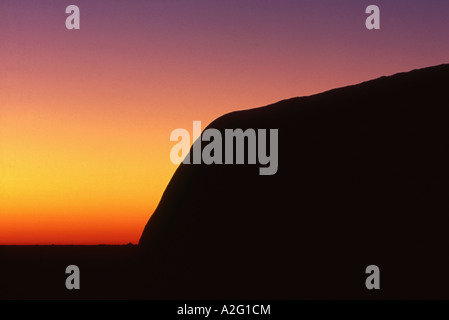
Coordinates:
x,y
86,115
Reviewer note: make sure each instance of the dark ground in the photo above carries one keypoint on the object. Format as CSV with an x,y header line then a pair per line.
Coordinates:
x,y
38,272
119,272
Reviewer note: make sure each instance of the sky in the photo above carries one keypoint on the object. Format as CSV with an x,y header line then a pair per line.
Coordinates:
x,y
86,115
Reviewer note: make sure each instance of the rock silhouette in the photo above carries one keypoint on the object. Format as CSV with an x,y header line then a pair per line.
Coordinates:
x,y
362,180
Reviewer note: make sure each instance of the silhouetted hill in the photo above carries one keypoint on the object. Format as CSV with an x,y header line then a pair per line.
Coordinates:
x,y
362,180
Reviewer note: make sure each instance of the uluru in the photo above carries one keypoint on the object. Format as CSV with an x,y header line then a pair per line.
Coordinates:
x,y
362,180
